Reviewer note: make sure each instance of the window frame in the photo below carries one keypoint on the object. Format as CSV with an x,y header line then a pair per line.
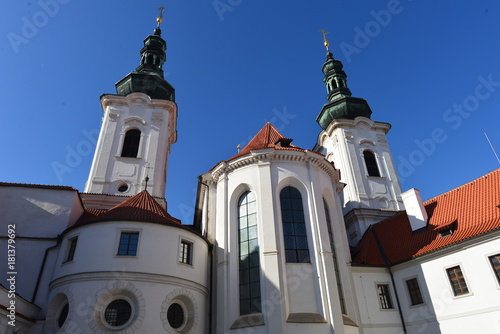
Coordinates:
x,y
71,249
384,297
496,273
457,293
190,247
247,264
410,290
132,147
295,225
130,232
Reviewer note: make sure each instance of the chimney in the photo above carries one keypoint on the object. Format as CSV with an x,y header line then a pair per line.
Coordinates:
x,y
415,209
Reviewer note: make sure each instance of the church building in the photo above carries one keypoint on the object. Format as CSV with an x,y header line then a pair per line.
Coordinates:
x,y
284,240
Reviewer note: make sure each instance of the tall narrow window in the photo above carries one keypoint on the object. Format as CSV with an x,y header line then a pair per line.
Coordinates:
x,y
72,248
185,252
384,296
495,263
457,281
131,143
335,262
371,163
128,243
414,291
294,227
249,267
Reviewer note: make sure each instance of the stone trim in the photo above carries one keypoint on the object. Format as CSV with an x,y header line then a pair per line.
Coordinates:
x,y
250,320
305,318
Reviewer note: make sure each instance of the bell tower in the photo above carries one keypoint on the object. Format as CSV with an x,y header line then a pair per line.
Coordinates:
x,y
138,129
358,147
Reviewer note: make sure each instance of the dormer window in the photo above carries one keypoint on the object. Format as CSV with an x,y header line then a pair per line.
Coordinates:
x,y
448,229
131,143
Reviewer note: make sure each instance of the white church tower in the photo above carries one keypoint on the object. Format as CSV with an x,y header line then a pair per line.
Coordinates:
x,y
139,126
358,146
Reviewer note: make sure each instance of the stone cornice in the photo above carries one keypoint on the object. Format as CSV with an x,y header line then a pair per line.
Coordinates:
x,y
270,154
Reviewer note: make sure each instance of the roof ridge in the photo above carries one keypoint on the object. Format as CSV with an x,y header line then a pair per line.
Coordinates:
x,y
485,176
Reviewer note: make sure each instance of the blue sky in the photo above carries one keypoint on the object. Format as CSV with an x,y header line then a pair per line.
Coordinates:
x,y
428,68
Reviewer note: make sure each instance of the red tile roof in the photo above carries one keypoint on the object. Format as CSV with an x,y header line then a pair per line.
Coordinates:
x,y
268,137
471,209
141,207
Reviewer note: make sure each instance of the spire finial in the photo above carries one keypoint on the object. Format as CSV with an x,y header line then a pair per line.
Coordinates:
x,y
325,40
159,19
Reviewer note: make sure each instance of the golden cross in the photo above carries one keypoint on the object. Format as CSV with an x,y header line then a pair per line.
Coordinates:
x,y
159,19
325,40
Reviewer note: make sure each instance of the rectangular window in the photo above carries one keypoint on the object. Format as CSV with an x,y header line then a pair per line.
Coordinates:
x,y
128,243
384,296
495,263
185,252
72,248
414,291
457,281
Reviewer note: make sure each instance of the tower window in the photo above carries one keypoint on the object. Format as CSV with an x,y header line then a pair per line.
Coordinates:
x,y
249,267
131,143
294,227
371,163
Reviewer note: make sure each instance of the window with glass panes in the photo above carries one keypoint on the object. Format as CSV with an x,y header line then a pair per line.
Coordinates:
x,y
495,263
128,243
185,252
294,227
249,264
414,291
457,281
384,296
72,248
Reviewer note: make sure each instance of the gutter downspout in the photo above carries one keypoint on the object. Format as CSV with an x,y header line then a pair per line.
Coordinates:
x,y
388,264
40,273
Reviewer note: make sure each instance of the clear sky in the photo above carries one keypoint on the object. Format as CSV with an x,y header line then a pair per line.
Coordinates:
x,y
429,68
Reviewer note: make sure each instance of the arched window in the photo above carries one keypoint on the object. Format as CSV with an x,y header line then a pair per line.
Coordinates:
x,y
371,163
335,262
249,267
131,143
294,227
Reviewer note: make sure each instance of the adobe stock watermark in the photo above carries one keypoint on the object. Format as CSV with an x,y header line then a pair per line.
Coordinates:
x,y
454,118
32,25
223,6
75,155
373,28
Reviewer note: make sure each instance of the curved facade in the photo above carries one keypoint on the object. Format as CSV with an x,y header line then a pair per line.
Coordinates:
x,y
132,292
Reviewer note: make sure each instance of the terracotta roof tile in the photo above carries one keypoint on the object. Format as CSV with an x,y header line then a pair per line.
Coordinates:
x,y
267,137
471,210
141,207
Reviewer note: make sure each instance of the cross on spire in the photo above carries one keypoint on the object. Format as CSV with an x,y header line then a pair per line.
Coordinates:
x,y
159,19
325,40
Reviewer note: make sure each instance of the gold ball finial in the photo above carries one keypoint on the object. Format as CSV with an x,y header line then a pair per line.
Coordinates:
x,y
159,19
325,40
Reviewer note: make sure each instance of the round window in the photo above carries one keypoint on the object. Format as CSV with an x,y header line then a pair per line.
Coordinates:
x,y
118,312
63,315
175,315
123,188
